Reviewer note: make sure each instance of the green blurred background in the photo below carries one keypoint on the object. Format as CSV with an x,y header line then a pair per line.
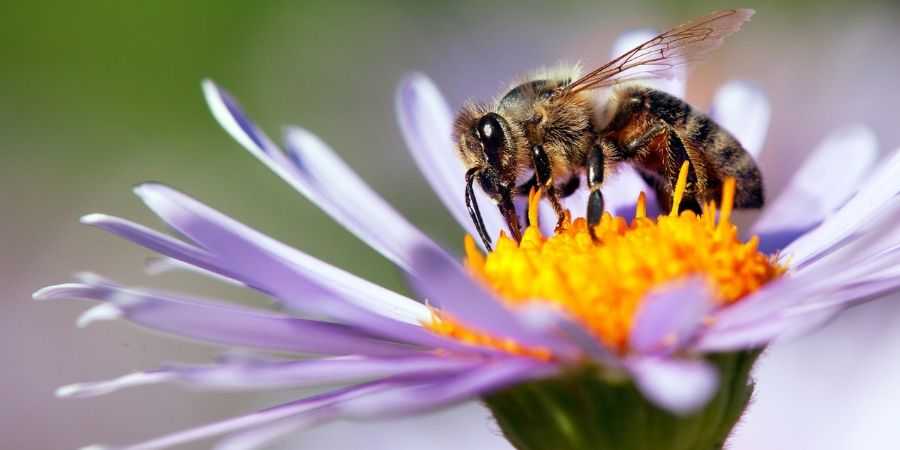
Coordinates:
x,y
97,96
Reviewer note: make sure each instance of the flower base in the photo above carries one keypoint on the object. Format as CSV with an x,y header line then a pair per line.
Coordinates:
x,y
584,410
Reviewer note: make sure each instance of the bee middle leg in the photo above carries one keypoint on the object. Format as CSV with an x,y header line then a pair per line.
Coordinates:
x,y
543,177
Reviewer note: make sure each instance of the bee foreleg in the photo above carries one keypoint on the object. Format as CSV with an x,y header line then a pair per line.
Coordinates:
x,y
595,167
544,176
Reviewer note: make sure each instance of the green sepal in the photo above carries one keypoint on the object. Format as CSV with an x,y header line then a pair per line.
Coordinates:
x,y
585,409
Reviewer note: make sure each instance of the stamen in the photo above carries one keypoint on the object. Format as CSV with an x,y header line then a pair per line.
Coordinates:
x,y
680,187
534,202
727,202
601,283
640,210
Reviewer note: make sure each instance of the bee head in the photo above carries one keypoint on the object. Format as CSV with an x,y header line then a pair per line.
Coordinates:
x,y
483,141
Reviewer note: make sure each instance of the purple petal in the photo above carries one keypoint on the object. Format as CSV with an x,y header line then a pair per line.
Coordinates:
x,y
350,201
760,333
678,385
404,399
675,84
424,397
880,187
221,324
622,190
807,201
444,282
550,320
310,409
425,121
744,110
285,272
335,187
670,317
276,374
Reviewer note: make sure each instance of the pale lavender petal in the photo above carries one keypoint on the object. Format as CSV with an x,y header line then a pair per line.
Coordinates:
x,y
760,333
276,374
220,323
308,408
879,188
400,400
443,282
425,121
283,271
157,242
807,201
668,318
337,188
550,320
471,385
345,295
309,159
807,313
744,110
675,84
678,385
621,192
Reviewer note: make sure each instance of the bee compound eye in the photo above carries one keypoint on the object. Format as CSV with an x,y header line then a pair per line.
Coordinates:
x,y
491,135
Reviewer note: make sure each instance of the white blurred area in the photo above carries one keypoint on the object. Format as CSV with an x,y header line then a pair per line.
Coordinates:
x,y
837,389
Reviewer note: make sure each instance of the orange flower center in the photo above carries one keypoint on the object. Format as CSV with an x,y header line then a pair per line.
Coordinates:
x,y
602,282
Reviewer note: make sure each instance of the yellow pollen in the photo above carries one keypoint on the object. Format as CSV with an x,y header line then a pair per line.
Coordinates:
x,y
602,282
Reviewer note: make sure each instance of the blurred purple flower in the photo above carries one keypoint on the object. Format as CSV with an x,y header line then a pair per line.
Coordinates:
x,y
838,238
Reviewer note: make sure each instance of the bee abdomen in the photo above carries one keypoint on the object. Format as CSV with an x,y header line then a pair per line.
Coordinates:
x,y
727,157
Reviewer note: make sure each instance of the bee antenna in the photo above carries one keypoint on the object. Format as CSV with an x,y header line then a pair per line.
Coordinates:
x,y
474,212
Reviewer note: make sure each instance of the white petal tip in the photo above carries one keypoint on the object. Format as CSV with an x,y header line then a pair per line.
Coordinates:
x,y
55,292
94,389
96,447
91,219
105,311
67,391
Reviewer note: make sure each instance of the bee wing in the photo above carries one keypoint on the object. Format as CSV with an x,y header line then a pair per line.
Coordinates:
x,y
658,56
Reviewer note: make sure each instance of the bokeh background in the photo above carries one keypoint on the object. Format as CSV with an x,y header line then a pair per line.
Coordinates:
x,y
96,96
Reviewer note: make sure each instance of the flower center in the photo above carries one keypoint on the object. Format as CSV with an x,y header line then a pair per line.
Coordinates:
x,y
602,282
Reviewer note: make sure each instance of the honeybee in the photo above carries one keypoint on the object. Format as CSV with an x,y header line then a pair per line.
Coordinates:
x,y
549,131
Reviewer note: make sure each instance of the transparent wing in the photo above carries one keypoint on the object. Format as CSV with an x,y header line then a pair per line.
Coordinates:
x,y
657,57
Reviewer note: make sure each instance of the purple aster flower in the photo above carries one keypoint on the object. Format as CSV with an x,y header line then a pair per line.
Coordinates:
x,y
667,369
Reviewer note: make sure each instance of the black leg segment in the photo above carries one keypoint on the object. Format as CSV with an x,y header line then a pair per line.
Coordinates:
x,y
595,166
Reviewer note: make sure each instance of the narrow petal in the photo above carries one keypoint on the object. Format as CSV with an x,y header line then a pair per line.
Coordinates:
x,y
470,385
678,385
744,110
621,192
278,374
312,409
298,169
405,399
550,320
675,84
670,317
880,187
289,274
226,324
425,121
444,282
760,333
362,211
806,202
